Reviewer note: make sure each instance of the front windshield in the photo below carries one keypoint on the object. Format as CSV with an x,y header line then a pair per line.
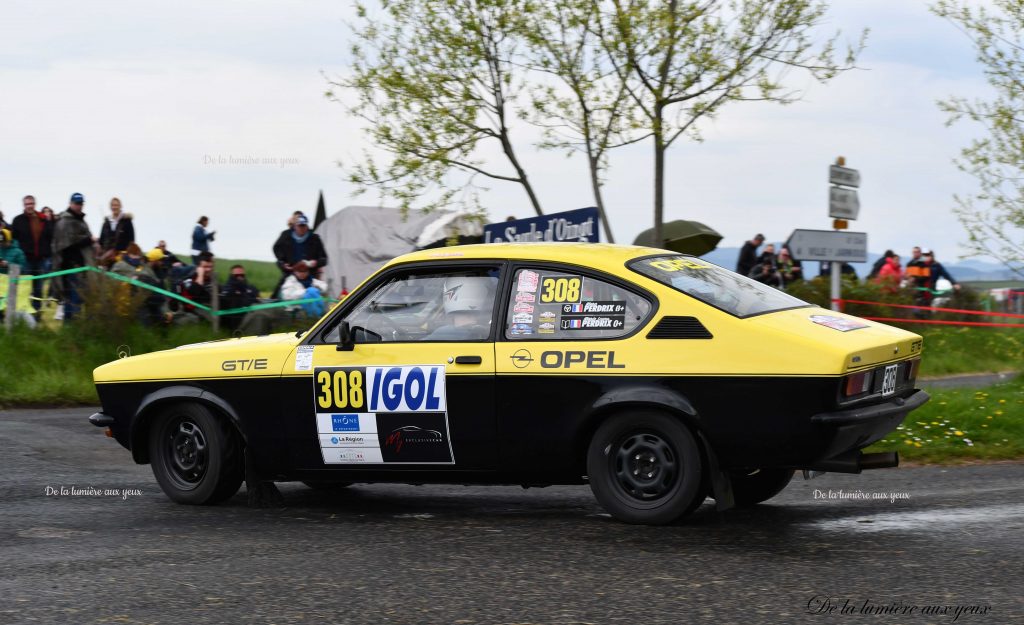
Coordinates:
x,y
721,288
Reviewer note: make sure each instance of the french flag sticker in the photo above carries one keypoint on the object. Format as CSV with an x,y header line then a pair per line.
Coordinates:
x,y
576,308
576,323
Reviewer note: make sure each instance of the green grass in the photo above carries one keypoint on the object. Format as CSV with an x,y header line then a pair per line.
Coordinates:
x,y
54,367
960,425
951,350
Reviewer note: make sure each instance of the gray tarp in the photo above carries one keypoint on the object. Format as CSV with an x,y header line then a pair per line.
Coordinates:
x,y
359,239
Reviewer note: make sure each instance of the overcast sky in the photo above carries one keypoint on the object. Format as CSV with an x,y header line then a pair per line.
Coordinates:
x,y
143,101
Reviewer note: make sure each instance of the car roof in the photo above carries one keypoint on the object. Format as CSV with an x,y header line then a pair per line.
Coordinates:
x,y
598,255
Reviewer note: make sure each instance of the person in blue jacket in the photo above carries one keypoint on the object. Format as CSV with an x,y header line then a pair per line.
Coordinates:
x,y
201,238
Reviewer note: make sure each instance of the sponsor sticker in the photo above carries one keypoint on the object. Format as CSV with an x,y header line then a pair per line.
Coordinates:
x,y
304,358
522,307
522,318
547,315
526,296
593,323
527,281
520,329
546,328
838,323
594,308
382,415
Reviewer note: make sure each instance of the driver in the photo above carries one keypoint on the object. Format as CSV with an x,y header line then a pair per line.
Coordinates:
x,y
467,307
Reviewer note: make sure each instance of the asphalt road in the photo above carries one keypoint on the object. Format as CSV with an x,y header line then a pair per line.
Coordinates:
x,y
431,554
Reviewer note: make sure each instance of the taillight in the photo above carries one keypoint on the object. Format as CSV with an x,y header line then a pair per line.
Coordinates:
x,y
857,383
912,368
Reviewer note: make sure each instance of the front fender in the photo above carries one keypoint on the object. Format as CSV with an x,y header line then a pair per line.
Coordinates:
x,y
151,403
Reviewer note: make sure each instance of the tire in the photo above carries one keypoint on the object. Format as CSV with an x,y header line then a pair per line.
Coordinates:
x,y
196,455
750,488
327,486
645,467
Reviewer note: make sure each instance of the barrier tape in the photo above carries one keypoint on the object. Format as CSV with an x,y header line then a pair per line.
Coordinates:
x,y
987,324
949,310
171,294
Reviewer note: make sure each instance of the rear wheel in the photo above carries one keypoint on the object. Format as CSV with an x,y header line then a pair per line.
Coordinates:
x,y
645,467
752,487
196,455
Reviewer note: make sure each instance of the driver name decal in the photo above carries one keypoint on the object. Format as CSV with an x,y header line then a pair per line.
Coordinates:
x,y
382,415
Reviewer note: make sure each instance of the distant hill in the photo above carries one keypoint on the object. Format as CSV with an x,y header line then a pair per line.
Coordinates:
x,y
970,270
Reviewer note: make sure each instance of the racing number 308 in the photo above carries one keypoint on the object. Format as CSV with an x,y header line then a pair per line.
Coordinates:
x,y
339,390
560,290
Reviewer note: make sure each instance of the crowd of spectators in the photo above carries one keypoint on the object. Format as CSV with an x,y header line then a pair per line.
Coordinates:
x,y
40,242
922,273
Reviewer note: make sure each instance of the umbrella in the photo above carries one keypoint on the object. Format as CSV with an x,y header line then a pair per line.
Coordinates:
x,y
321,212
682,236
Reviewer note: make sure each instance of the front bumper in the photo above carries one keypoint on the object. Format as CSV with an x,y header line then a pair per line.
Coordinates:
x,y
856,428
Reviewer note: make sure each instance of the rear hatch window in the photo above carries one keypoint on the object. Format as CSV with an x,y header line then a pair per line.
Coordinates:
x,y
715,286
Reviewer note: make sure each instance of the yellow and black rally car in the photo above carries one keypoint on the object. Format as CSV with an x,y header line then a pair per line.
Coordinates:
x,y
658,378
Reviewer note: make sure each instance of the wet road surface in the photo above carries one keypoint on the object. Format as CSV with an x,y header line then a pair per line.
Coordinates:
x,y
934,539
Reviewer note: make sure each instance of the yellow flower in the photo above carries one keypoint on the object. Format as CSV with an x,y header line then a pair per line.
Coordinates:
x,y
909,442
917,444
958,433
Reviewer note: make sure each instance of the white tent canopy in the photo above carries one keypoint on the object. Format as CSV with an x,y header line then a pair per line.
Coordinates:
x,y
359,239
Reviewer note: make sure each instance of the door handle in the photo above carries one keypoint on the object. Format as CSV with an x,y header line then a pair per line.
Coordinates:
x,y
468,360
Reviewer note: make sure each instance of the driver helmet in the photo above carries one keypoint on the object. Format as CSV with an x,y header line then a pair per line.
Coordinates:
x,y
466,294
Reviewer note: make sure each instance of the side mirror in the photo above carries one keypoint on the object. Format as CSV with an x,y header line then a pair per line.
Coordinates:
x,y
346,340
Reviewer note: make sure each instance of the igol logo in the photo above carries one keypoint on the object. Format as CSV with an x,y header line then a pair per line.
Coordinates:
x,y
522,358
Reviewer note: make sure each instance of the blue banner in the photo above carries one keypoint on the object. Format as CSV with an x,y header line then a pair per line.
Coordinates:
x,y
576,225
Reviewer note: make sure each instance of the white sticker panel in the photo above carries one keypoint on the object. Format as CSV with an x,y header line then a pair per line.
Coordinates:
x,y
346,423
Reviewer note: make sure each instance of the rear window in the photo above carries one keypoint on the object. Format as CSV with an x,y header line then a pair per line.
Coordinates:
x,y
721,288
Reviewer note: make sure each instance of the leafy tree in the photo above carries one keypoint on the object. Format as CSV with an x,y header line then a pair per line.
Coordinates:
x,y
994,214
684,60
435,82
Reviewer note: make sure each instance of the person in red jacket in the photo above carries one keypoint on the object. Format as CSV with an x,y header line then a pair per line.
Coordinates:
x,y
890,274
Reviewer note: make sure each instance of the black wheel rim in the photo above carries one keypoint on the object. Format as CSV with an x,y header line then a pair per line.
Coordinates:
x,y
645,466
186,453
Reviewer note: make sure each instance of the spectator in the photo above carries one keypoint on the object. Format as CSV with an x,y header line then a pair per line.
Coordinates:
x,y
299,244
201,238
767,254
133,264
291,220
167,260
73,246
877,267
10,251
11,254
748,255
35,235
766,273
3,223
935,272
48,214
302,285
891,273
199,288
916,274
237,293
789,270
116,235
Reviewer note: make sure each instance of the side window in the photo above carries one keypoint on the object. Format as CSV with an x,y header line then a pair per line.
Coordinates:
x,y
550,304
448,305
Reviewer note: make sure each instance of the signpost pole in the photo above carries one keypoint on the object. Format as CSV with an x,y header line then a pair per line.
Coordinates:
x,y
837,271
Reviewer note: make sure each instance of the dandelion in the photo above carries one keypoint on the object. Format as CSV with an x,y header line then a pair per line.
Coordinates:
x,y
909,442
917,444
958,433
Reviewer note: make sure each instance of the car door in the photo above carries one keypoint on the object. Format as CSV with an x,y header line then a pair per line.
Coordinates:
x,y
416,388
566,340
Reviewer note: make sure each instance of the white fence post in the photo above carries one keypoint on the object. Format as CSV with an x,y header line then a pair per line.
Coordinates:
x,y
13,272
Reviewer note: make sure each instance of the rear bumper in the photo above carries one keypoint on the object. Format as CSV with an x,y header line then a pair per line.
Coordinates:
x,y
856,428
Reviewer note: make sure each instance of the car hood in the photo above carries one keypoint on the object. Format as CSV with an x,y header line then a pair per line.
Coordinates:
x,y
252,356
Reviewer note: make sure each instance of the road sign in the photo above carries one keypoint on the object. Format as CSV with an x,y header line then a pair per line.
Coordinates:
x,y
829,245
844,176
843,203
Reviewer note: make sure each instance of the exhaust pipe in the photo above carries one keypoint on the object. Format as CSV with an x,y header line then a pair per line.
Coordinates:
x,y
857,461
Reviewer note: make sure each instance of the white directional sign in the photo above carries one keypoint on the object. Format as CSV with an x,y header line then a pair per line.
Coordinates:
x,y
829,245
844,176
843,203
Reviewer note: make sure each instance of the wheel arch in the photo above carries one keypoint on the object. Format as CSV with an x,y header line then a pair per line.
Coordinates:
x,y
153,402
631,398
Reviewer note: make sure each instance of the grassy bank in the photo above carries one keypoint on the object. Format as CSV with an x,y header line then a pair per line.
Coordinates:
x,y
963,424
951,350
54,367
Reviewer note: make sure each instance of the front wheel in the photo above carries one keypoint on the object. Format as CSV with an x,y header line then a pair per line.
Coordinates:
x,y
645,467
196,455
752,487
